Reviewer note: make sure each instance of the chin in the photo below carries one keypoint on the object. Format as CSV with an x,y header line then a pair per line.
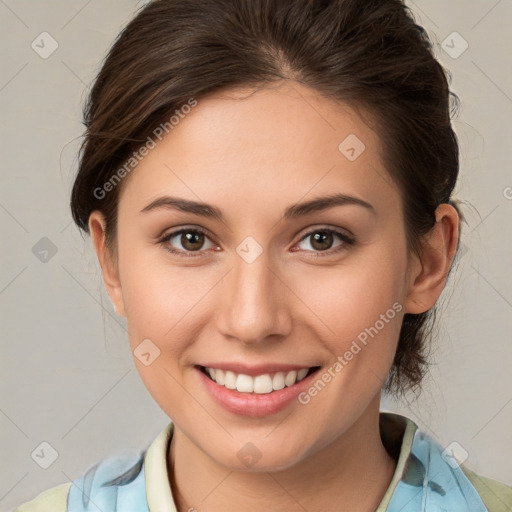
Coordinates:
x,y
269,459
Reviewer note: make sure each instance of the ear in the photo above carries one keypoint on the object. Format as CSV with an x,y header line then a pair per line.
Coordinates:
x,y
107,260
429,273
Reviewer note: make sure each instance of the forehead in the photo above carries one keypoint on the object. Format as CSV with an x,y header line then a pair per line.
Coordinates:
x,y
270,144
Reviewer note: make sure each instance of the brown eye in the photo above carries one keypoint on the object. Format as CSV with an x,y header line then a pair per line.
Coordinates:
x,y
186,241
192,241
323,240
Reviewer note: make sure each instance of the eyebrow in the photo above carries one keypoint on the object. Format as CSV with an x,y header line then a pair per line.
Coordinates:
x,y
291,212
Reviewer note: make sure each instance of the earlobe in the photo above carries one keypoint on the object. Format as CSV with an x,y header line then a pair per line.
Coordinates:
x,y
430,272
107,261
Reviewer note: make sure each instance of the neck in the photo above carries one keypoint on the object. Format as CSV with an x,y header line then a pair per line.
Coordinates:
x,y
351,474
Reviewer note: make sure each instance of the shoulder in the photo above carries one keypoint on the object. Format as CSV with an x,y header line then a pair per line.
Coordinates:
x,y
428,475
116,483
496,496
106,485
54,500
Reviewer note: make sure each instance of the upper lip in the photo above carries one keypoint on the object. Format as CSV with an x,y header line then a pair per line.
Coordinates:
x,y
258,369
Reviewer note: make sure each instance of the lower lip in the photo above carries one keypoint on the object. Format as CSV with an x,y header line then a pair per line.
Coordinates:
x,y
254,404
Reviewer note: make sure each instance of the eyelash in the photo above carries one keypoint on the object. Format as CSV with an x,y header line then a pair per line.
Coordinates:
x,y
347,242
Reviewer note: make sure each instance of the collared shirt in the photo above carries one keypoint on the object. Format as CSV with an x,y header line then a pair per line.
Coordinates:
x,y
426,479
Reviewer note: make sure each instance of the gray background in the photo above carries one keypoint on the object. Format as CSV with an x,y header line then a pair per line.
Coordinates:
x,y
67,373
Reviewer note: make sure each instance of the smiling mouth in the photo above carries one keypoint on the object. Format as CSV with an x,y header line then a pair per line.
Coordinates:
x,y
260,384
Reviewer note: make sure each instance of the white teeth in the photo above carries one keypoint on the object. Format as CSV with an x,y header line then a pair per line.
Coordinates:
x,y
301,374
219,377
291,378
229,380
244,383
261,384
278,381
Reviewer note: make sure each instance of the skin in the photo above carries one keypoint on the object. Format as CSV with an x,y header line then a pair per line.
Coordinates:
x,y
253,155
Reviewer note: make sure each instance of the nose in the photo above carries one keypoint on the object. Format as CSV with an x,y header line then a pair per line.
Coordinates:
x,y
254,302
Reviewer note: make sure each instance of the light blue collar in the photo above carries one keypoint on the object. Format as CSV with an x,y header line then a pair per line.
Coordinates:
x,y
429,482
433,483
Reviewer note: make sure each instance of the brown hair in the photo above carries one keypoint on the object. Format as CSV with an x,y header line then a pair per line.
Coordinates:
x,y
370,54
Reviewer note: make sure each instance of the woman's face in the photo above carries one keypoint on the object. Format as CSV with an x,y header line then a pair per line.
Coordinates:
x,y
266,286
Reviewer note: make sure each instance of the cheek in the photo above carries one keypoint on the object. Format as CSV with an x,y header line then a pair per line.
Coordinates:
x,y
163,310
360,302
357,292
167,304
160,301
